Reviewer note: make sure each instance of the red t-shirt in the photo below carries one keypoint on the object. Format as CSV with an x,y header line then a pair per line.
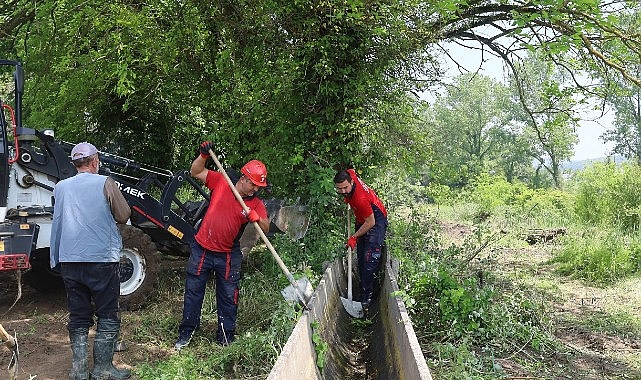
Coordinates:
x,y
224,217
362,199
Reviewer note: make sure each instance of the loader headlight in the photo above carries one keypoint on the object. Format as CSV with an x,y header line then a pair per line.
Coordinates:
x,y
49,132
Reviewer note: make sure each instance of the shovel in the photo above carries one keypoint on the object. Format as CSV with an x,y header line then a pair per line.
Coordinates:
x,y
12,344
300,290
353,308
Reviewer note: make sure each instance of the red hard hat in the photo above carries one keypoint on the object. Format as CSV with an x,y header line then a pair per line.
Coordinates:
x,y
256,172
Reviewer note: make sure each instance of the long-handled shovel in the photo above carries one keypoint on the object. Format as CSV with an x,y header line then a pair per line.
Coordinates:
x,y
353,308
12,344
300,290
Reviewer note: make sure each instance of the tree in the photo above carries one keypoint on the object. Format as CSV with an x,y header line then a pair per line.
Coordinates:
x,y
627,125
574,35
307,86
467,126
625,98
546,113
512,156
290,83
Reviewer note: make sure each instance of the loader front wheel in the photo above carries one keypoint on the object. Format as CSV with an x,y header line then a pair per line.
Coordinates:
x,y
139,267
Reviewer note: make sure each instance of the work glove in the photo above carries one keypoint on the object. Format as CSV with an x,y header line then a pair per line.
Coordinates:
x,y
204,149
351,242
253,216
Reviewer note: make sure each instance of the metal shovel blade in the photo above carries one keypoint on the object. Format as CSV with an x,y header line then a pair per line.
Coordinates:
x,y
353,308
302,292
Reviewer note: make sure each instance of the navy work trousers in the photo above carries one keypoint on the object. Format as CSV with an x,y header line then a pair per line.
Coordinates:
x,y
368,249
91,282
226,269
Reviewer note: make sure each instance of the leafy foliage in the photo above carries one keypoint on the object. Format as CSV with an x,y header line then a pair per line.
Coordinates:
x,y
494,195
600,258
546,111
607,195
265,320
308,87
459,303
466,128
625,98
294,84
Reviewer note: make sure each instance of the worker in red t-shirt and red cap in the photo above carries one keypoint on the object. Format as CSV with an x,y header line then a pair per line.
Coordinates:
x,y
216,246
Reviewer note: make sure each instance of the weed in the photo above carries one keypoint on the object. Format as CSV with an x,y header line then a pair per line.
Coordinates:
x,y
466,313
264,323
320,346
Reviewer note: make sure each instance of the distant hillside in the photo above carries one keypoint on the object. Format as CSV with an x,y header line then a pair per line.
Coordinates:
x,y
578,165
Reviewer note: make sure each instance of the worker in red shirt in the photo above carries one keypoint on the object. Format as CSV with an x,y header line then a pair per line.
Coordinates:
x,y
370,228
216,246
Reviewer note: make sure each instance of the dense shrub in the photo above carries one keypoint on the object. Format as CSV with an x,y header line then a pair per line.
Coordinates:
x,y
600,257
452,296
608,195
494,195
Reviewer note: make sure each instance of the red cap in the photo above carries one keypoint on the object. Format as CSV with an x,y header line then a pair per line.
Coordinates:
x,y
256,172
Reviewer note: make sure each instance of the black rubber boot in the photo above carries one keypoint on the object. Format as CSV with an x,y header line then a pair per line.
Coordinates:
x,y
103,352
79,348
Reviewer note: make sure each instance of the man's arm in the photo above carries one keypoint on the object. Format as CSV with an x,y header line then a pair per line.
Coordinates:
x,y
263,223
369,222
198,169
258,213
119,206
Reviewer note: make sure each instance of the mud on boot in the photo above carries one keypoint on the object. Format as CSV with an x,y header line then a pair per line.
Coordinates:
x,y
103,352
79,350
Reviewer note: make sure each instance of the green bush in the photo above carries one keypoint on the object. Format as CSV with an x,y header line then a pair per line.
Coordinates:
x,y
608,195
444,303
489,192
517,202
599,257
463,311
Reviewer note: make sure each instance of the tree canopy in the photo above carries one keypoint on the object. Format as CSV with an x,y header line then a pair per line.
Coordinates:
x,y
309,87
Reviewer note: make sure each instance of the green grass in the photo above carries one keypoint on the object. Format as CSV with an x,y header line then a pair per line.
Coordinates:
x,y
484,304
514,327
264,323
599,257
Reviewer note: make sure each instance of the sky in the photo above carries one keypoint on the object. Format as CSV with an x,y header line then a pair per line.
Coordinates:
x,y
589,146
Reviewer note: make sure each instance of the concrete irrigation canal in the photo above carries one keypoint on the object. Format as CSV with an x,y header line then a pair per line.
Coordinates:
x,y
384,346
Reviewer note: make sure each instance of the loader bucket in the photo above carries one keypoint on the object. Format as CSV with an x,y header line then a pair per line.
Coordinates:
x,y
293,221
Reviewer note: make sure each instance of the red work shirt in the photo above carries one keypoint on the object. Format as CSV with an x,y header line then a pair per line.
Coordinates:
x,y
224,217
362,199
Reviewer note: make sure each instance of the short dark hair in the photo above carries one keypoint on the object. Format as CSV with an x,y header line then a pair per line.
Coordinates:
x,y
342,176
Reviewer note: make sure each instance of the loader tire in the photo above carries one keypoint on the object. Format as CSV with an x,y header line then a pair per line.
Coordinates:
x,y
139,267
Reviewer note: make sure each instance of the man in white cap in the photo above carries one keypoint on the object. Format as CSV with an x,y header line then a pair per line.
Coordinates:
x,y
85,247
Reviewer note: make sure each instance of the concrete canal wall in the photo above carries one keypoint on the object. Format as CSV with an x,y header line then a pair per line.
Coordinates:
x,y
383,347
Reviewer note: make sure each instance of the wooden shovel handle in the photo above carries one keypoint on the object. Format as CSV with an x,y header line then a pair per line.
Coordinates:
x,y
349,256
280,262
7,338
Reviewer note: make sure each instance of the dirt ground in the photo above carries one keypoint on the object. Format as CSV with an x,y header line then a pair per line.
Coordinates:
x,y
39,322
612,353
